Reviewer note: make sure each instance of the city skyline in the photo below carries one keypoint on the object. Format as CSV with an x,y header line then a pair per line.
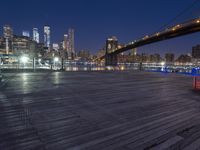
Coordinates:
x,y
93,26
100,74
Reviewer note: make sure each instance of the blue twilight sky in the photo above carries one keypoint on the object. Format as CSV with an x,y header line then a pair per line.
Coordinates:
x,y
95,20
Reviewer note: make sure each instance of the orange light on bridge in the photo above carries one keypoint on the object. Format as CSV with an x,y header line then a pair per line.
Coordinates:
x,y
157,34
122,68
146,37
198,21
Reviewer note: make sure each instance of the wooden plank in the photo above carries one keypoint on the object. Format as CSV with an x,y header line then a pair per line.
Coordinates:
x,y
167,144
194,145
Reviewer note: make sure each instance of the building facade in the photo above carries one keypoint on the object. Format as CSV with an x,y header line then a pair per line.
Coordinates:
x,y
23,45
71,48
36,35
47,36
26,33
7,32
196,52
169,57
8,36
68,45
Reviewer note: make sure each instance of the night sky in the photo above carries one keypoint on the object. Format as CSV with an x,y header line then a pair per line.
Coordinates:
x,y
95,20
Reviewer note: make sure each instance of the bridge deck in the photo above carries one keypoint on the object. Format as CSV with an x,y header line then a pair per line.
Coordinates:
x,y
105,110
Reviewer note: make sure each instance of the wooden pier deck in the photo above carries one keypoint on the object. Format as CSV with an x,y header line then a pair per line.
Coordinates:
x,y
99,111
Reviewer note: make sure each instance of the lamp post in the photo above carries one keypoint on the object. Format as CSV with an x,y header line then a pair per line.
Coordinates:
x,y
24,60
56,59
163,66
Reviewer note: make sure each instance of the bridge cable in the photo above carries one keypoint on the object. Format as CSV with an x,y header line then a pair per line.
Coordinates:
x,y
179,15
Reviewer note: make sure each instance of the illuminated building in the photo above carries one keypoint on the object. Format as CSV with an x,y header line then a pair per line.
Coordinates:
x,y
84,54
36,35
55,46
184,59
169,57
8,35
7,32
66,42
47,39
71,49
26,33
23,45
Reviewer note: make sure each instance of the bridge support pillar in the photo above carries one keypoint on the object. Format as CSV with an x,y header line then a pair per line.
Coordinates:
x,y
111,60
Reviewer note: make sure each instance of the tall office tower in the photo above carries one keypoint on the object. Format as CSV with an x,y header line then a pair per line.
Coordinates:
x,y
8,35
26,33
7,32
66,42
47,33
71,50
36,35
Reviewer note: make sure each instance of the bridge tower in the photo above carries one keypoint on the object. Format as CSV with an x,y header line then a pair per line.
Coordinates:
x,y
111,46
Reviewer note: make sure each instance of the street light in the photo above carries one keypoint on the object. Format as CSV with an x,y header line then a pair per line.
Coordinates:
x,y
56,59
162,63
24,59
163,66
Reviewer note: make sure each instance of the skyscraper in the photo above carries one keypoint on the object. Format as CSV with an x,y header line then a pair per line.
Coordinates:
x,y
47,33
66,42
36,35
8,35
26,33
7,32
71,50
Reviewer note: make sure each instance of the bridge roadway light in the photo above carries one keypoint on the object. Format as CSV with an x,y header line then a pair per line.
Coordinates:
x,y
198,21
